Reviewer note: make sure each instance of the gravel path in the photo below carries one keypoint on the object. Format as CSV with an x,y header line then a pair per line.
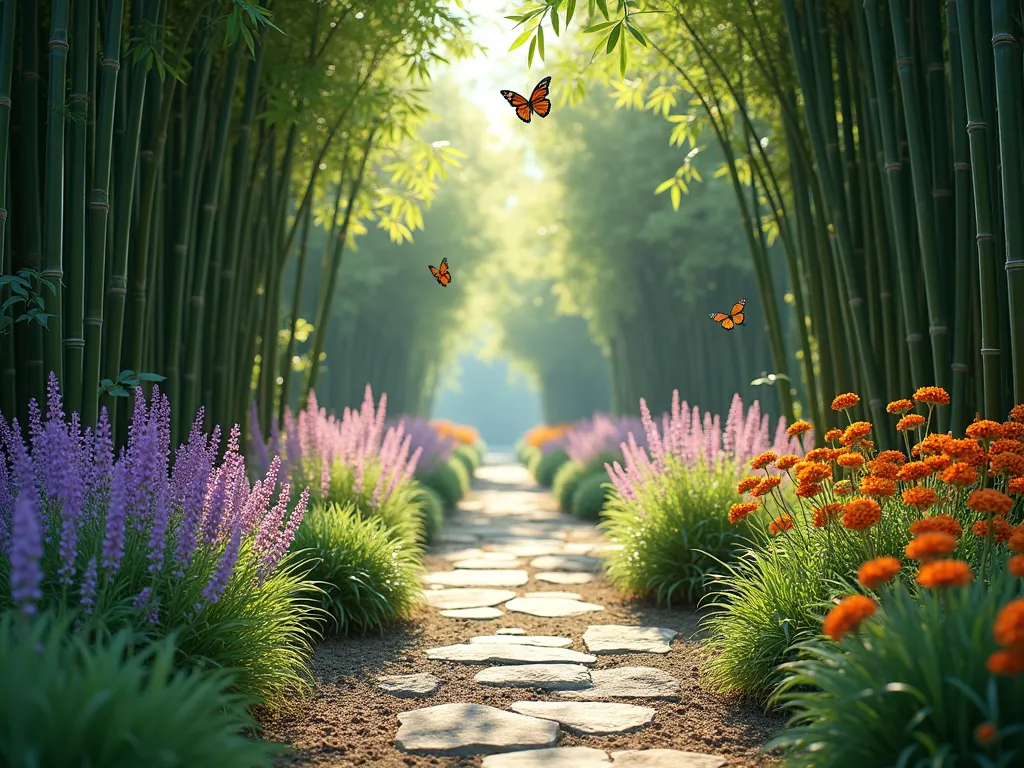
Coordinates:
x,y
467,701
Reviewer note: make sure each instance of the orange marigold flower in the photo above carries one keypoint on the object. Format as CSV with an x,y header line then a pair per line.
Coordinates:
x,y
911,421
765,459
818,454
929,546
920,497
885,469
989,501
876,572
1016,486
842,487
877,486
798,427
1001,530
985,429
945,573
1008,629
960,473
850,460
1008,464
964,449
811,473
860,514
937,463
855,431
780,524
848,615
823,515
833,434
1016,541
1005,663
747,484
739,511
808,491
892,457
914,470
985,734
787,461
1017,413
899,406
1013,430
842,402
766,485
1016,566
932,395
1007,445
943,523
934,443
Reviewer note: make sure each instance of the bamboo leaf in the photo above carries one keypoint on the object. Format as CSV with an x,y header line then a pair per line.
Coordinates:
x,y
10,303
19,288
156,376
603,7
554,21
664,185
540,41
613,38
519,41
533,50
599,27
676,196
125,374
5,321
570,9
623,57
637,34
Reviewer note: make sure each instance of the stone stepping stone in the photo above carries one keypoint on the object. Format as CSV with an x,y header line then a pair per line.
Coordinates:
x,y
559,677
477,578
574,563
462,554
527,547
410,686
485,564
507,653
613,638
578,547
665,758
511,631
562,577
454,538
559,757
452,599
550,607
628,683
563,595
591,718
471,729
480,614
544,641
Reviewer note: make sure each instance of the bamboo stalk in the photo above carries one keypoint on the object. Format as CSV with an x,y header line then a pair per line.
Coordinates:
x,y
8,378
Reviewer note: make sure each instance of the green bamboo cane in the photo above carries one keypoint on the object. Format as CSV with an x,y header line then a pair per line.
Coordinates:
x,y
938,327
99,208
74,341
1009,91
8,381
941,160
978,141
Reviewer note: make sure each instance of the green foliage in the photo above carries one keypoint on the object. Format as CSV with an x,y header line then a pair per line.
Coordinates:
x,y
548,466
910,688
26,289
126,380
450,481
469,457
111,703
368,574
564,485
431,507
398,512
675,534
592,492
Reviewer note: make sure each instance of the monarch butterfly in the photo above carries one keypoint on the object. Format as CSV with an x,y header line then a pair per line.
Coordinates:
x,y
443,275
538,102
731,320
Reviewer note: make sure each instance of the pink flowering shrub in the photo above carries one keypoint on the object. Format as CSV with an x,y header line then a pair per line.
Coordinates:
x,y
187,545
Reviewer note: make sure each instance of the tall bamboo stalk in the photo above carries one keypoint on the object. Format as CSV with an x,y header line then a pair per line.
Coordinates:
x,y
8,378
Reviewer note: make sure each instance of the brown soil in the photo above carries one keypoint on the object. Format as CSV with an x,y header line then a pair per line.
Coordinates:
x,y
347,721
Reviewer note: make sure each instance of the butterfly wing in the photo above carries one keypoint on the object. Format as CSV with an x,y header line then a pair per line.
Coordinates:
x,y
736,313
539,101
435,272
444,266
520,104
445,276
728,324
716,316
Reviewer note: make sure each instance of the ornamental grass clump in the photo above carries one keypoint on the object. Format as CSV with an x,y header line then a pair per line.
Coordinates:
x,y
142,541
113,703
591,445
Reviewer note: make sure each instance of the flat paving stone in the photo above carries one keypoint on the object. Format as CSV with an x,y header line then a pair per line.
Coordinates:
x,y
553,593
614,638
511,631
451,599
665,758
544,641
507,653
559,677
550,607
454,538
527,547
578,547
471,729
484,564
594,718
410,686
479,614
559,757
627,683
563,577
477,578
575,563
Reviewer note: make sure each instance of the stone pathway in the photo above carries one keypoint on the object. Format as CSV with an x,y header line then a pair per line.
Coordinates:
x,y
485,544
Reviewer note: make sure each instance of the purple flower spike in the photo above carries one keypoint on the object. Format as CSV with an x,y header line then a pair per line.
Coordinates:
x,y
26,551
222,574
89,587
113,538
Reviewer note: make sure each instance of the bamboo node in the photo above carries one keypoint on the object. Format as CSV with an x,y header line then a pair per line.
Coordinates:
x,y
93,321
959,367
942,193
976,125
209,208
885,295
984,236
856,301
74,343
3,214
961,166
117,290
59,45
914,337
990,350
1003,38
146,154
1011,264
936,68
111,64
5,101
892,167
906,61
938,330
99,207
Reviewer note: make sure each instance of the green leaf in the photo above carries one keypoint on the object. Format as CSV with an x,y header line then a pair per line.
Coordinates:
x,y
10,303
522,39
19,289
622,58
119,392
637,34
104,383
603,6
533,50
540,41
150,377
664,185
554,21
675,198
570,9
599,27
613,38
5,321
125,374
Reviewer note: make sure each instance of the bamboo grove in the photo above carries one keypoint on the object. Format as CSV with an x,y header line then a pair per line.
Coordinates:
x,y
164,160
879,143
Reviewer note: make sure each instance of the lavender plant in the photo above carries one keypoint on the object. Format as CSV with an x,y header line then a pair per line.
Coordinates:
x,y
136,539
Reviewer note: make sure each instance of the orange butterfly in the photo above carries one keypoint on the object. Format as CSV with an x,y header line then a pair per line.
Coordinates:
x,y
731,320
538,102
443,275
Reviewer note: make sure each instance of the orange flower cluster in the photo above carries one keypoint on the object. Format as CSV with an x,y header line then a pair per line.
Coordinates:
x,y
763,460
961,474
914,470
824,515
850,460
780,524
899,406
911,421
544,434
856,431
989,501
747,484
842,402
1001,530
848,615
457,432
940,574
985,429
766,486
875,573
931,546
860,514
832,435
1008,631
932,396
787,462
940,523
920,497
799,427
877,486
740,511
